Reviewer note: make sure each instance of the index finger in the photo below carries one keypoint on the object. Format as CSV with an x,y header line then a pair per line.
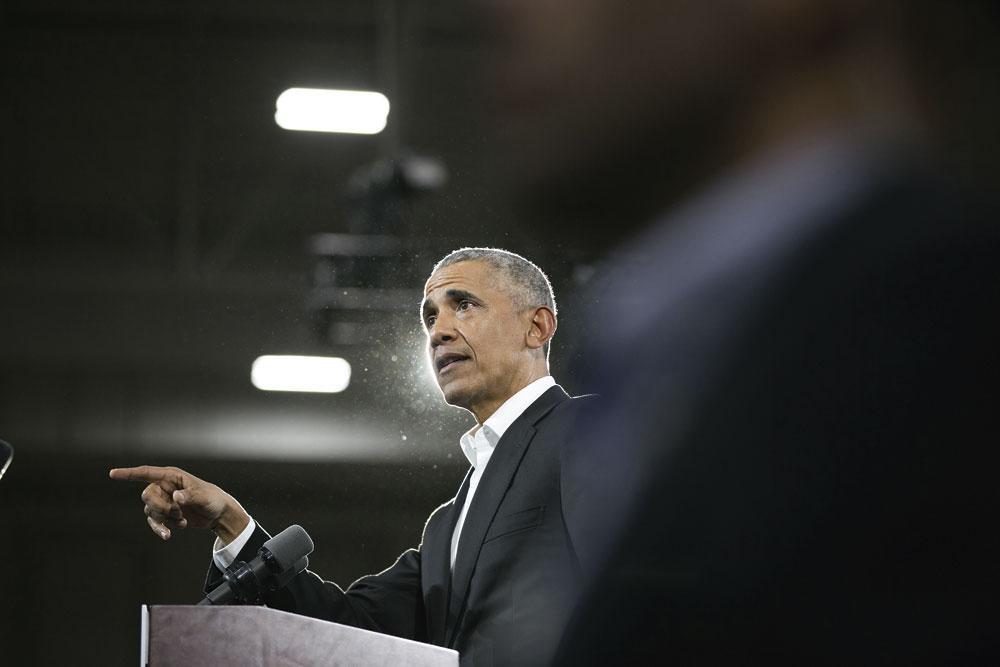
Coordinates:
x,y
145,474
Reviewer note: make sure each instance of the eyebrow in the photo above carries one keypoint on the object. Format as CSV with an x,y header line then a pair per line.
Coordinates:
x,y
460,295
453,294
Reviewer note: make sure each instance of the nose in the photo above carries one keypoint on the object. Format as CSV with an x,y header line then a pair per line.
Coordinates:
x,y
442,331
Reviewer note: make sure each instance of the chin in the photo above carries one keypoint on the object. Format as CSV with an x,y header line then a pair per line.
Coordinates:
x,y
452,395
457,395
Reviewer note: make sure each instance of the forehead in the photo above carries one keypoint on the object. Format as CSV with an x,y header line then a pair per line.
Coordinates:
x,y
471,276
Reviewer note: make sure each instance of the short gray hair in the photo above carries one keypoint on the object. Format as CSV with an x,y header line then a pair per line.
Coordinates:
x,y
531,287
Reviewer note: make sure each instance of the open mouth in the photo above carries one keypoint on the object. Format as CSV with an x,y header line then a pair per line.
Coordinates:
x,y
446,361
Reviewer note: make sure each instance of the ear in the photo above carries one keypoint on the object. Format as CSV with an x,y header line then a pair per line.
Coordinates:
x,y
543,327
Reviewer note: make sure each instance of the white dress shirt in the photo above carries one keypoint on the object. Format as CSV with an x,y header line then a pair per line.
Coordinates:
x,y
477,445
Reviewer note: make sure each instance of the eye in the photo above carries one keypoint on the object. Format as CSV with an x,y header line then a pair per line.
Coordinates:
x,y
464,304
429,321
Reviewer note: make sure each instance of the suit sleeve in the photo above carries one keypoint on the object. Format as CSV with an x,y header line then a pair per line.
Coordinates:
x,y
389,602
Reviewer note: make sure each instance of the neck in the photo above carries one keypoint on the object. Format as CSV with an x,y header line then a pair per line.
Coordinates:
x,y
484,409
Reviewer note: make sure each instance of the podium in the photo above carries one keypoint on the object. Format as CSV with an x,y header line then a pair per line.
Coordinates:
x,y
261,637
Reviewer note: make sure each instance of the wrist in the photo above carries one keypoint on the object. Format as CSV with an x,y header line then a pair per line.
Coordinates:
x,y
231,523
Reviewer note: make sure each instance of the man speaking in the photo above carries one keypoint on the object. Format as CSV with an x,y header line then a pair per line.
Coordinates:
x,y
496,570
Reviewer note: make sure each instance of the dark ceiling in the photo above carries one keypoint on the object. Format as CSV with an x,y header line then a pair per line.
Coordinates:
x,y
154,222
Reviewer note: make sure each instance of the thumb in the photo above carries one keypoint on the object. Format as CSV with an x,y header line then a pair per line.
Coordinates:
x,y
198,495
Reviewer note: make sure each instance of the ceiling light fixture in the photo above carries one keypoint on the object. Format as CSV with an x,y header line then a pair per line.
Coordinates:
x,y
324,110
328,375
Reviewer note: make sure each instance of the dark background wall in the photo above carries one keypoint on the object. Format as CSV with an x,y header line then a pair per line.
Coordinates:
x,y
154,227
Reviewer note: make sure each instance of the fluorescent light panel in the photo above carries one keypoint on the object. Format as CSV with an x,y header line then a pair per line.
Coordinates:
x,y
328,375
323,110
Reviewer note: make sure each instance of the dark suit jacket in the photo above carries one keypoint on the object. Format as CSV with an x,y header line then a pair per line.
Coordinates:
x,y
516,572
829,499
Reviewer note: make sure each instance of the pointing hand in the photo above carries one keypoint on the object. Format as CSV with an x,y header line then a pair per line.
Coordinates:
x,y
177,499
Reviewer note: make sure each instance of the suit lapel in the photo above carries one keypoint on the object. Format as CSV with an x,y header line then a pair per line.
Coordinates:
x,y
436,568
490,492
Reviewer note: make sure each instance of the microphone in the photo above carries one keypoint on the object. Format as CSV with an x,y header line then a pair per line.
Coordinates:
x,y
277,562
6,456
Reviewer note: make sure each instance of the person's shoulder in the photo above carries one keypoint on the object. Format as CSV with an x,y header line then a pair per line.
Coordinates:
x,y
576,402
438,514
575,405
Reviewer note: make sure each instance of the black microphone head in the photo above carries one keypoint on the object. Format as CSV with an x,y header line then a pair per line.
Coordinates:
x,y
6,456
289,546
